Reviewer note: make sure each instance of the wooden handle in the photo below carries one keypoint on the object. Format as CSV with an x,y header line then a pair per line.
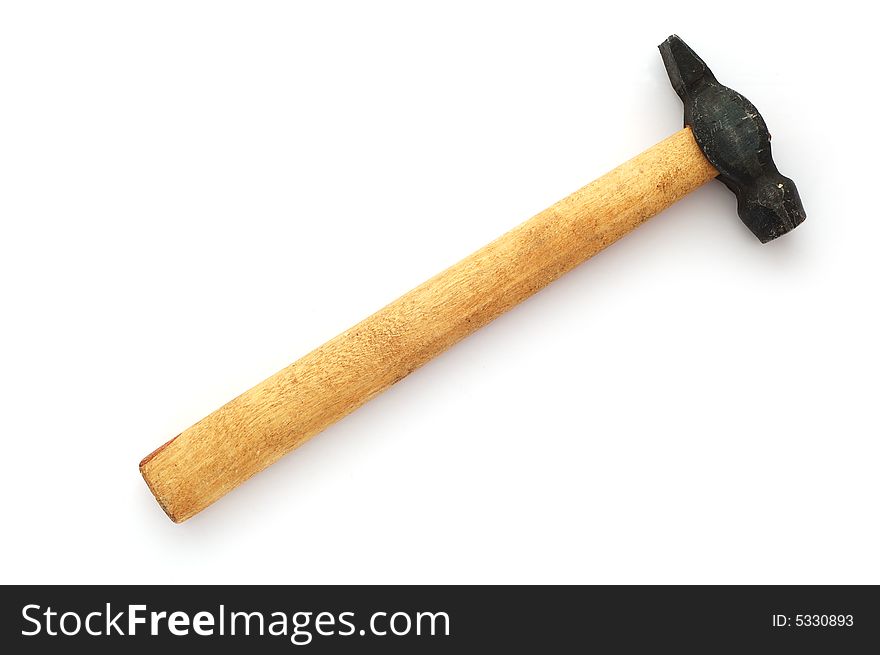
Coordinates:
x,y
254,430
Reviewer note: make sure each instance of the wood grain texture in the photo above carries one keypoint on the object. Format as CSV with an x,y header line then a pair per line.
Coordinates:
x,y
258,427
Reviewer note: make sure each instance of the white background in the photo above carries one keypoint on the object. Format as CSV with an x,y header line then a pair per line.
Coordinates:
x,y
194,194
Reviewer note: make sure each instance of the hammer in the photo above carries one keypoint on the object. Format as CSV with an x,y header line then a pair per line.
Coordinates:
x,y
724,136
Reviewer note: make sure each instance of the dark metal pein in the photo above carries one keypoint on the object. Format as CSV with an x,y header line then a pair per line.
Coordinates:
x,y
735,140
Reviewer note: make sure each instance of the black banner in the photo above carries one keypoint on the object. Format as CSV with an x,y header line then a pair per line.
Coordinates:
x,y
279,619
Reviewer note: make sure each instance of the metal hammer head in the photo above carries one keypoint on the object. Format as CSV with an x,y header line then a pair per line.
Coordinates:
x,y
735,140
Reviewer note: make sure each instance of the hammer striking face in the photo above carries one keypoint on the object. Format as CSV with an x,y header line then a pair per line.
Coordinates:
x,y
724,136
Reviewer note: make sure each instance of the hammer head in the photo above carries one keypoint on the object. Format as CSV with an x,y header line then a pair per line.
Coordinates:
x,y
735,140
